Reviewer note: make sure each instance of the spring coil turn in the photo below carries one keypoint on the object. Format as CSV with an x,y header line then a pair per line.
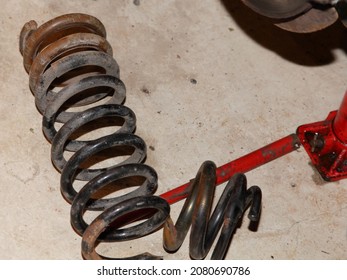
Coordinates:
x,y
70,64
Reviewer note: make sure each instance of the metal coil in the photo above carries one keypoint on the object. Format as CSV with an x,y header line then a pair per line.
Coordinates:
x,y
70,66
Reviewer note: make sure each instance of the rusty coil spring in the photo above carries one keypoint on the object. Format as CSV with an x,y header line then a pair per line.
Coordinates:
x,y
70,66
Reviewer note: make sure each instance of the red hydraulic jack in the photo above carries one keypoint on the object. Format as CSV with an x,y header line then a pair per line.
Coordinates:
x,y
324,141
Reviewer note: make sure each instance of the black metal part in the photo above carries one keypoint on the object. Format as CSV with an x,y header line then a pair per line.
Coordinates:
x,y
70,66
100,224
279,8
301,16
83,200
227,214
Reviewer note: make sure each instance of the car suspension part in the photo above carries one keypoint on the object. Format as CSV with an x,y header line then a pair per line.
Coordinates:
x,y
70,65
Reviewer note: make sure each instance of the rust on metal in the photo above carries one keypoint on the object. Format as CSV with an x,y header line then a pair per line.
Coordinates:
x,y
311,21
35,39
300,16
326,143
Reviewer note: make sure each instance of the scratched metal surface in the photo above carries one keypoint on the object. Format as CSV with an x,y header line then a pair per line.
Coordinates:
x,y
208,80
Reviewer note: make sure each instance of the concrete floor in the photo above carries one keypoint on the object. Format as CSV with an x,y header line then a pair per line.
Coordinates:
x,y
254,84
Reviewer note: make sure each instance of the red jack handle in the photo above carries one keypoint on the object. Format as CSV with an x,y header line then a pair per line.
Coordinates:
x,y
325,142
243,164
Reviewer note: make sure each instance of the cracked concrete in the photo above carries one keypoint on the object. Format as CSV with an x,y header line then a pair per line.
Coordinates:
x,y
208,80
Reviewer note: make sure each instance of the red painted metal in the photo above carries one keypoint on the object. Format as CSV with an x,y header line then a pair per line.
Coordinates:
x,y
243,164
340,121
326,143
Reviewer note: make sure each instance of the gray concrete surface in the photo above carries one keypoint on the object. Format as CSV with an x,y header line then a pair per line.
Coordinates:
x,y
255,84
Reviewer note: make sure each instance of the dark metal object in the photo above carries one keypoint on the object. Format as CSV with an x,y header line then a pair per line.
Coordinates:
x,y
278,8
92,233
341,8
301,16
70,66
229,210
313,20
235,200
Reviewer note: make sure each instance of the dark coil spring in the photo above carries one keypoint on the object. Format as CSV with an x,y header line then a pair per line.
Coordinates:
x,y
70,65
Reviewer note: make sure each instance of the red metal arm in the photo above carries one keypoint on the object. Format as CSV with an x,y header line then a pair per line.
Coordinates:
x,y
243,164
325,142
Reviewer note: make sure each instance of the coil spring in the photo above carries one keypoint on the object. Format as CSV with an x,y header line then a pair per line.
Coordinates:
x,y
70,64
